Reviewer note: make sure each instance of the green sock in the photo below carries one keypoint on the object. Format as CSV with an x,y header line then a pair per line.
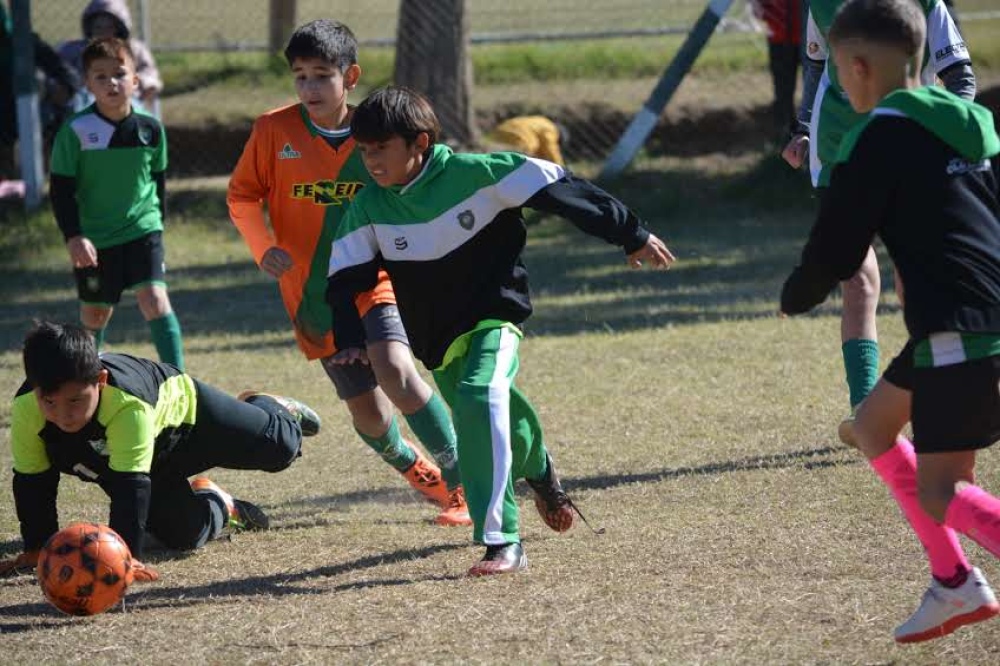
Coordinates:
x,y
98,334
861,365
432,426
166,332
391,447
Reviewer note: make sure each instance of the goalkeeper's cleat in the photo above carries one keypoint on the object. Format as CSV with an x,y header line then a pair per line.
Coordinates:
x,y
456,514
425,477
243,516
307,418
943,610
501,559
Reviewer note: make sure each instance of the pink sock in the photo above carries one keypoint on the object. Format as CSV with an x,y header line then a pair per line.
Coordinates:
x,y
976,514
897,467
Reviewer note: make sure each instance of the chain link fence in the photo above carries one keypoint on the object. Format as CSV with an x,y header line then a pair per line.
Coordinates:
x,y
587,65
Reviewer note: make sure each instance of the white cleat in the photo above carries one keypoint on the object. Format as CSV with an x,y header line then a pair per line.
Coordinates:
x,y
943,610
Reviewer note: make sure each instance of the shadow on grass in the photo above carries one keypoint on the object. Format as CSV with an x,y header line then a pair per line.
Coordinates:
x,y
736,236
806,458
282,584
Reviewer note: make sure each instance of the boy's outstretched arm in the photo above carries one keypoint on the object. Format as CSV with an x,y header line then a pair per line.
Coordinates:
x,y
599,214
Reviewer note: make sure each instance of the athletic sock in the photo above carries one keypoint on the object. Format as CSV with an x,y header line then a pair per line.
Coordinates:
x,y
166,333
861,366
976,514
432,426
897,467
391,447
98,334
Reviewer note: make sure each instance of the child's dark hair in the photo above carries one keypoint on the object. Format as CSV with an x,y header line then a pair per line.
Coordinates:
x,y
327,40
896,23
394,111
110,48
55,354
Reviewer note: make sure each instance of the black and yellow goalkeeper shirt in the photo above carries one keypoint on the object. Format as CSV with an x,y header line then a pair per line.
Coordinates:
x,y
144,410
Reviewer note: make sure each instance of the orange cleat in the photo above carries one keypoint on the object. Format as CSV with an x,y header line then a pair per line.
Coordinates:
x,y
425,477
456,514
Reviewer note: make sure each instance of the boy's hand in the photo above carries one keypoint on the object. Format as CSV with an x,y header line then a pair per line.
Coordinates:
x,y
797,150
143,573
23,563
654,252
351,355
81,251
276,262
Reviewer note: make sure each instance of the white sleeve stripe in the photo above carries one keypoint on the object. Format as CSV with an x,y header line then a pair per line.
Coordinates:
x,y
356,248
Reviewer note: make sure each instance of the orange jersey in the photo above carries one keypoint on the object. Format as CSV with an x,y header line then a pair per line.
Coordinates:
x,y
307,185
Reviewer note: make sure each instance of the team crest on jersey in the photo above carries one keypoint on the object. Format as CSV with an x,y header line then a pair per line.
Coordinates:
x,y
813,48
288,153
466,220
100,446
93,283
327,192
145,135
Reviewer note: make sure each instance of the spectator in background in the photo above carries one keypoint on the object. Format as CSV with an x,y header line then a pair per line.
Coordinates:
x,y
536,136
61,89
112,18
783,22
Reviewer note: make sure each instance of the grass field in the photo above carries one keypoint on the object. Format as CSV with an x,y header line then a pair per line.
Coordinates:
x,y
685,417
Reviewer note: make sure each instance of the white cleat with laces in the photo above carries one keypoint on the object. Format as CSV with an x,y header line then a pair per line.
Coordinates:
x,y
943,610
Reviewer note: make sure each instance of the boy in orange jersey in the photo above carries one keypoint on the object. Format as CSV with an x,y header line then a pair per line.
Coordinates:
x,y
301,161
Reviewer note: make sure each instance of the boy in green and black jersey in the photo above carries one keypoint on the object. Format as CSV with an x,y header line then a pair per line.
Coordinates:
x,y
108,194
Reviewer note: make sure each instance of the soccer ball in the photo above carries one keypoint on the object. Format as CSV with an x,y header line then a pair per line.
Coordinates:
x,y
85,569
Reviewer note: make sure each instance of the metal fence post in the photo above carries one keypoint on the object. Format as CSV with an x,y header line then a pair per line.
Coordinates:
x,y
282,22
644,122
29,127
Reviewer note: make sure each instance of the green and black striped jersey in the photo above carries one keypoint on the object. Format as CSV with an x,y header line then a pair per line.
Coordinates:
x,y
451,242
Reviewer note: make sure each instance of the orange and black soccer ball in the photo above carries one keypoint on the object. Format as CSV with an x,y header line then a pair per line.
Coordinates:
x,y
84,569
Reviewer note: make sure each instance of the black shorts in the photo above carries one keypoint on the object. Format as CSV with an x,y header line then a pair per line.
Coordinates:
x,y
956,407
899,373
121,267
382,322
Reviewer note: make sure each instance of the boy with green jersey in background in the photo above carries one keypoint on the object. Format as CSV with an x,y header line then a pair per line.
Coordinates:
x,y
825,116
108,195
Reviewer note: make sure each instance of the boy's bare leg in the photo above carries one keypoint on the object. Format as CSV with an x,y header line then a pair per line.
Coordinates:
x,y
878,421
426,414
942,476
164,328
95,319
857,328
397,375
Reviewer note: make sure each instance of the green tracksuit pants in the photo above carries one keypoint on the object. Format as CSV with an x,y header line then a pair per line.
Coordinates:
x,y
499,435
